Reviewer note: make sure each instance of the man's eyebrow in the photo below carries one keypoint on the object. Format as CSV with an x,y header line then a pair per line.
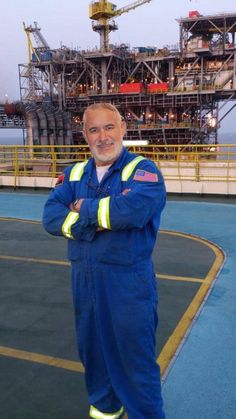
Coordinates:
x,y
105,126
110,125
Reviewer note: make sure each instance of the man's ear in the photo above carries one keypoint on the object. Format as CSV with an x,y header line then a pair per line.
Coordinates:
x,y
84,135
123,127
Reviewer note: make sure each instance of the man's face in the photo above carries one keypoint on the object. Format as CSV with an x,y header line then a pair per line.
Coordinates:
x,y
104,133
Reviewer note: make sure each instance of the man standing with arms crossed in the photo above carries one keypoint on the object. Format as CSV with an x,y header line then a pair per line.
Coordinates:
x,y
109,208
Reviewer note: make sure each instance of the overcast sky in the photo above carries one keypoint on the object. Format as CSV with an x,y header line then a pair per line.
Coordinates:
x,y
67,23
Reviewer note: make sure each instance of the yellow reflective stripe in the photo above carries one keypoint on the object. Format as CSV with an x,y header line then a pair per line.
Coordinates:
x,y
77,171
71,219
128,169
104,213
96,414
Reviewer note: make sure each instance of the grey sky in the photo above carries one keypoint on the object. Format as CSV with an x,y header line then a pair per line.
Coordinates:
x,y
67,23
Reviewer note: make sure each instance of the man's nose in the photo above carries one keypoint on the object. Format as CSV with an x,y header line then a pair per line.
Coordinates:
x,y
103,134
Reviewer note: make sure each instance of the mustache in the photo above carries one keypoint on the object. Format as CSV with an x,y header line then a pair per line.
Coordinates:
x,y
102,143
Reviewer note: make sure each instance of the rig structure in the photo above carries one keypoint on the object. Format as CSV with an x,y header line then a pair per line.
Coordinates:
x,y
167,96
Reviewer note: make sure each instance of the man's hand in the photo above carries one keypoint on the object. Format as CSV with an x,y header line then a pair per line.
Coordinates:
x,y
75,206
125,191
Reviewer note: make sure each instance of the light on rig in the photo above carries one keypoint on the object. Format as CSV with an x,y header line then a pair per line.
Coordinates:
x,y
212,122
135,143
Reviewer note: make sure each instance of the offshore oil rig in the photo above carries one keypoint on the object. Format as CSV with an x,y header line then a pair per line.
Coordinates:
x,y
167,96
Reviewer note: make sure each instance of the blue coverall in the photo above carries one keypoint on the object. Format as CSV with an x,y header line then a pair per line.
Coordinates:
x,y
110,243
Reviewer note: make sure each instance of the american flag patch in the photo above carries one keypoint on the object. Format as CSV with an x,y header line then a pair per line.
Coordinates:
x,y
143,176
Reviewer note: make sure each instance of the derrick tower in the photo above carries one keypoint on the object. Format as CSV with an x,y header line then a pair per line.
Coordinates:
x,y
170,95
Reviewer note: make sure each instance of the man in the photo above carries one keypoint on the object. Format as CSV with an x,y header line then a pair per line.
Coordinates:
x,y
109,209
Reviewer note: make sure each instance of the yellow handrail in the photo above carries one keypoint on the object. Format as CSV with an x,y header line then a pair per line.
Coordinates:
x,y
183,162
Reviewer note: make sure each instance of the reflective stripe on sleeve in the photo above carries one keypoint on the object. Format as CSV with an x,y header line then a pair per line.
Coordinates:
x,y
71,219
77,171
104,213
96,414
129,168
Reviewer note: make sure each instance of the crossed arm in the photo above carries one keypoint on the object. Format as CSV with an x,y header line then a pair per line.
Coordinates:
x,y
83,218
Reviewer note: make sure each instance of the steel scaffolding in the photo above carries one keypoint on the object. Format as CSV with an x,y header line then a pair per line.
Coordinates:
x,y
167,96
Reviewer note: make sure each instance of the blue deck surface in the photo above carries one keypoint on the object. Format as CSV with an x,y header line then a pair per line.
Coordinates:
x,y
201,383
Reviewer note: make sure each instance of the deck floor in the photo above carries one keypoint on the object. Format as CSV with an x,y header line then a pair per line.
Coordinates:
x,y
41,376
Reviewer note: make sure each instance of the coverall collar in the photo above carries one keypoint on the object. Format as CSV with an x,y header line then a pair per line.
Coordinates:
x,y
117,165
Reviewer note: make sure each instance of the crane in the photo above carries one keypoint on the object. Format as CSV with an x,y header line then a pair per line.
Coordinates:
x,y
42,44
103,13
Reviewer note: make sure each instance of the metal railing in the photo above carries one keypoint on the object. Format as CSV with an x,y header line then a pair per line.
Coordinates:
x,y
14,121
178,162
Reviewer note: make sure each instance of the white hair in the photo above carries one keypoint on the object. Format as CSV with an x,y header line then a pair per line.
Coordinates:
x,y
101,105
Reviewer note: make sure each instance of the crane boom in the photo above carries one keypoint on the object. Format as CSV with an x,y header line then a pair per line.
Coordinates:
x,y
39,39
129,7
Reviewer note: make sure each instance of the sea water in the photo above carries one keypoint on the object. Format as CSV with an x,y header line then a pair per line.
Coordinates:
x,y
15,137
11,136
